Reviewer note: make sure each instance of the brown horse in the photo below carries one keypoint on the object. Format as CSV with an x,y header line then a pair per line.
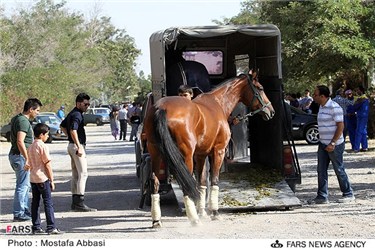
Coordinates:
x,y
185,132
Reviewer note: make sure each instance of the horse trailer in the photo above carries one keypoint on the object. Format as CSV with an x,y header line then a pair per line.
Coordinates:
x,y
227,51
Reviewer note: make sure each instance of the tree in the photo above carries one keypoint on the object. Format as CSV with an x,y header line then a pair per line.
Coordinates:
x,y
53,54
321,40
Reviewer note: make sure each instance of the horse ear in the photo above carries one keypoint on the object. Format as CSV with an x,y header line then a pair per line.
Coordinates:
x,y
254,73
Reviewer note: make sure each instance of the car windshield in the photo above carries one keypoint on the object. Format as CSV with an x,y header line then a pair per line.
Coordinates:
x,y
102,111
48,119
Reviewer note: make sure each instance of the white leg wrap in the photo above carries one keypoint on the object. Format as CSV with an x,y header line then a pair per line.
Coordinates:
x,y
213,201
201,204
155,207
191,212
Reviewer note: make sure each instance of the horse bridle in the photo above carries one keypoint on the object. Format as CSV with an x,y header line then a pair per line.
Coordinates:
x,y
256,96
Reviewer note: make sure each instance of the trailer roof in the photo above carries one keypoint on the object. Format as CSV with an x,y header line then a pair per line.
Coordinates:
x,y
170,35
160,39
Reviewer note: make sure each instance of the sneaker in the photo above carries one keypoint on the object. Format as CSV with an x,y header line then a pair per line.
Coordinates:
x,y
346,199
54,231
364,149
21,218
38,231
318,201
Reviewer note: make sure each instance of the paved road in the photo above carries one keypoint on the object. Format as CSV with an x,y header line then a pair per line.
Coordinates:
x,y
112,188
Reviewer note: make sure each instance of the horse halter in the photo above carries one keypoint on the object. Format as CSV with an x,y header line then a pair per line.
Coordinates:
x,y
256,96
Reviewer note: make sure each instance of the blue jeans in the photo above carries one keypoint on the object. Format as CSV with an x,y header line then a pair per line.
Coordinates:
x,y
21,193
336,157
42,190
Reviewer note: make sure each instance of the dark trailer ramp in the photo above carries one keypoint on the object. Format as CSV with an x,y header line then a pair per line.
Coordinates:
x,y
228,51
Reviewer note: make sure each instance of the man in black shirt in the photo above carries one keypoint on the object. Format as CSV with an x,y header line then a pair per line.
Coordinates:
x,y
73,126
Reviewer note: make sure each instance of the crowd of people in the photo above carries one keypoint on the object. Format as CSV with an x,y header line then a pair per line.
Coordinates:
x,y
355,105
30,159
345,114
121,116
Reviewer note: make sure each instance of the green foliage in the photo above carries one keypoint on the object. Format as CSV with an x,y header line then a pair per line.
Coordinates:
x,y
53,54
322,41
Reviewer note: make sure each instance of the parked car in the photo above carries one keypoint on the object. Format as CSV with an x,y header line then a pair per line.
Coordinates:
x,y
99,116
53,121
50,119
304,126
50,113
5,131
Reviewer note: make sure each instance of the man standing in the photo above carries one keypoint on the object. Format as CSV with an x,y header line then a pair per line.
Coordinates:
x,y
361,107
134,115
122,115
73,126
60,113
21,138
344,104
331,146
305,102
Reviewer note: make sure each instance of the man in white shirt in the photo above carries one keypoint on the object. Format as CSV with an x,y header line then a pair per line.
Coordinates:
x,y
122,116
331,147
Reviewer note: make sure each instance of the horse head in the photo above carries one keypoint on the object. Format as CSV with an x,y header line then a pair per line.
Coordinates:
x,y
255,98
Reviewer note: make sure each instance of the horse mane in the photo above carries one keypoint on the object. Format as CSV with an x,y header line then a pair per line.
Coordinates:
x,y
226,82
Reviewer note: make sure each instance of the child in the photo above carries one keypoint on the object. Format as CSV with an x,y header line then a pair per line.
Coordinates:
x,y
41,178
185,91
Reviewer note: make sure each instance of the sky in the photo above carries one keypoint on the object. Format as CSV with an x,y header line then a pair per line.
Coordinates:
x,y
140,18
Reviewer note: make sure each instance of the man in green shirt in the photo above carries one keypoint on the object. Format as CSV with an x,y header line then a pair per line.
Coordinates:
x,y
21,138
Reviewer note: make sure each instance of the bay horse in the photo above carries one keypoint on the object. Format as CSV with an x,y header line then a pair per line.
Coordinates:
x,y
185,132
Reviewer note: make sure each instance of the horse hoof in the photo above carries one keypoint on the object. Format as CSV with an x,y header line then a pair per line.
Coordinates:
x,y
156,224
215,216
196,223
203,214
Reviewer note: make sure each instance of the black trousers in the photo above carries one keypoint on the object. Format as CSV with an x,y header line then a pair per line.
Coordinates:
x,y
123,128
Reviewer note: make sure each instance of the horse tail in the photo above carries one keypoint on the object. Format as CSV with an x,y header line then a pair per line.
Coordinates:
x,y
173,157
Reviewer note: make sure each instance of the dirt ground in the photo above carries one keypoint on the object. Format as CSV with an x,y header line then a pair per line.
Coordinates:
x,y
113,189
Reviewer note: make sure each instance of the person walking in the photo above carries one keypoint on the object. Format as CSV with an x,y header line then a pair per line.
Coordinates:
x,y
331,147
61,113
21,137
73,126
41,178
361,107
135,119
114,122
122,115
